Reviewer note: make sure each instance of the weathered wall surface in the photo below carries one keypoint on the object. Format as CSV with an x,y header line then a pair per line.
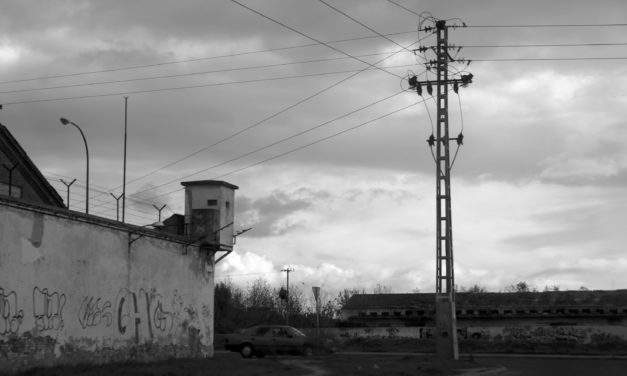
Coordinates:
x,y
72,290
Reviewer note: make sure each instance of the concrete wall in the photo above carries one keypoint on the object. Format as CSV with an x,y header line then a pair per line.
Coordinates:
x,y
73,290
583,334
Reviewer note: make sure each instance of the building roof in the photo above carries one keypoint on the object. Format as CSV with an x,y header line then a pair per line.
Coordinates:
x,y
12,149
209,182
464,300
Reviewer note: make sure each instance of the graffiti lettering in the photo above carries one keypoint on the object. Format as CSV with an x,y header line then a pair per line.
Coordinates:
x,y
10,317
127,312
147,312
93,312
162,318
48,309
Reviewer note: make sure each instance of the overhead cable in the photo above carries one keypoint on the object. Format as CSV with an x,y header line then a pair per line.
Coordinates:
x,y
310,37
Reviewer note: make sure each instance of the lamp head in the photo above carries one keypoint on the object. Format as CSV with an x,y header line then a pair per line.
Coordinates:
x,y
64,121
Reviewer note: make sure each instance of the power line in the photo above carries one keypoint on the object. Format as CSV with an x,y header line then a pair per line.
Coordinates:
x,y
297,134
521,25
319,140
543,45
144,91
403,7
553,58
310,37
155,77
245,274
269,117
360,23
187,60
306,145
548,25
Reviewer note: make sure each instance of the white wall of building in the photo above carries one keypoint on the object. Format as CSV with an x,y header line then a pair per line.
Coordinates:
x,y
72,290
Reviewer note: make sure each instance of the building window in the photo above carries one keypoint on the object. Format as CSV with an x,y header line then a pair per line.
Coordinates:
x,y
16,190
227,205
212,202
373,314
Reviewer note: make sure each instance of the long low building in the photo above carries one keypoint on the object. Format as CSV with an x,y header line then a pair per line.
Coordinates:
x,y
419,308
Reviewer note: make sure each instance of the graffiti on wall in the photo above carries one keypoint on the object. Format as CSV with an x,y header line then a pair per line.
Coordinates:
x,y
10,316
147,313
95,312
48,309
144,313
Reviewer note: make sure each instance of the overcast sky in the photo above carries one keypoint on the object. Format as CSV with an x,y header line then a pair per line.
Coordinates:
x,y
538,187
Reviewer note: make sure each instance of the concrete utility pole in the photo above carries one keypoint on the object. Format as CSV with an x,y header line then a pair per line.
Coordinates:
x,y
287,295
445,318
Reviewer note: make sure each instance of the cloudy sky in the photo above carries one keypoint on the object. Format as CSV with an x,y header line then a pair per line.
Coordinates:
x,y
538,188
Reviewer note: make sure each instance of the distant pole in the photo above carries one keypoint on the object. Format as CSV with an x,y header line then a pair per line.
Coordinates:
x,y
287,300
67,189
124,168
159,209
10,170
117,205
316,293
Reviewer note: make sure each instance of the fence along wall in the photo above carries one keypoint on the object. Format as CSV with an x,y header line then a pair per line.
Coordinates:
x,y
73,290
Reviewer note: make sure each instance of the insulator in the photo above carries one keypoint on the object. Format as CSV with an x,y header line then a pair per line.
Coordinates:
x,y
413,81
419,89
460,139
431,140
455,87
429,88
466,79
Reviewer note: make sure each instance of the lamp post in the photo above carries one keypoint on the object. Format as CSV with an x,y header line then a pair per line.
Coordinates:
x,y
65,121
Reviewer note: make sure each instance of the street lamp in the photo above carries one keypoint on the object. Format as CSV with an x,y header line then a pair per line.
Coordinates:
x,y
65,121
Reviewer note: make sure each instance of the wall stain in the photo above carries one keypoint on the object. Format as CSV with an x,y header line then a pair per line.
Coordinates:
x,y
37,231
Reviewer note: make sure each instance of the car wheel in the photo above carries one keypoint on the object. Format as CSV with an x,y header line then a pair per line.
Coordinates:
x,y
307,351
246,350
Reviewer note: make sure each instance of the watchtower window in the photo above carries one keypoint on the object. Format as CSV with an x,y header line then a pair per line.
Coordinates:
x,y
227,205
212,202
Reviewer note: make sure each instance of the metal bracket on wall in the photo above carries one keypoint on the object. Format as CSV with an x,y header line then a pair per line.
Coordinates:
x,y
223,256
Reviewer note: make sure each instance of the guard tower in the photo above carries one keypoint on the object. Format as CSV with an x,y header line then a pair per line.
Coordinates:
x,y
209,207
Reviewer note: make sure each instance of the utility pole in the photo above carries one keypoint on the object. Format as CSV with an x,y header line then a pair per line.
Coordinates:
x,y
287,295
117,204
67,189
124,167
445,317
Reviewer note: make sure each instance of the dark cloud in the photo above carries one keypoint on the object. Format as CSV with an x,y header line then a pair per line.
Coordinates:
x,y
267,214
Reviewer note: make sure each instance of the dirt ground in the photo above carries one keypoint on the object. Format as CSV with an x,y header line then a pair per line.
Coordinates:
x,y
353,364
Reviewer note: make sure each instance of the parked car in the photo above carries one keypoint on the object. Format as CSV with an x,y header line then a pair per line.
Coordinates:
x,y
269,339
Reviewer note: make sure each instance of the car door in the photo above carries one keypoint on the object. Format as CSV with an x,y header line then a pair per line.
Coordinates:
x,y
280,339
262,338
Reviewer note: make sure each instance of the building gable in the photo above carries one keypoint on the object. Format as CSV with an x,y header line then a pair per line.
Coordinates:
x,y
27,182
